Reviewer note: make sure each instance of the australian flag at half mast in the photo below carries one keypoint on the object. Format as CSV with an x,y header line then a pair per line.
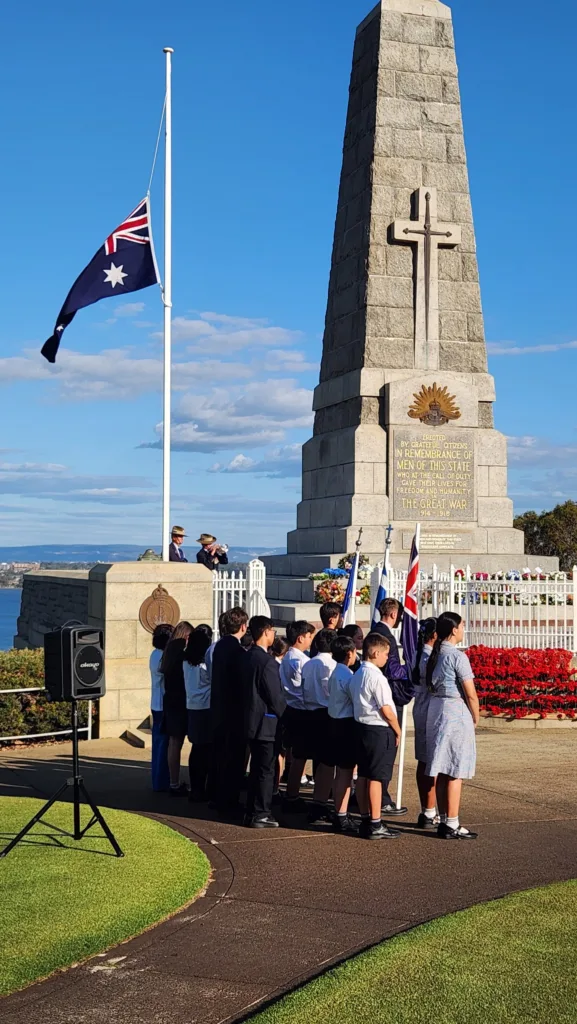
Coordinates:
x,y
125,263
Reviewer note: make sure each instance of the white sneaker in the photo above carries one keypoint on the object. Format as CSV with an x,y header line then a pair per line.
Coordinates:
x,y
304,780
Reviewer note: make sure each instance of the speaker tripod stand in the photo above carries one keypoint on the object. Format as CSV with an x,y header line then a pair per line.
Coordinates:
x,y
76,783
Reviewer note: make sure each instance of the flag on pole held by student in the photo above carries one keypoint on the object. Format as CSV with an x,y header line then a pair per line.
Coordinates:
x,y
350,602
381,593
410,626
125,263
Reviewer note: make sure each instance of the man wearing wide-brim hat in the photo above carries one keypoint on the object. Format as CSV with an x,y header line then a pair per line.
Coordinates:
x,y
211,554
175,552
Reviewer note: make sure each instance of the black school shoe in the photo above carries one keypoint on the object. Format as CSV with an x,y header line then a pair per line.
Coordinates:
x,y
392,811
182,790
429,824
319,814
264,823
445,832
345,826
381,831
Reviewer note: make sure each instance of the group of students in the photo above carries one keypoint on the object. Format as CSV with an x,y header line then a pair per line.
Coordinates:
x,y
332,697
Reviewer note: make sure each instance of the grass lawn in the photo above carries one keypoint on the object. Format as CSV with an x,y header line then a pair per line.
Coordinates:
x,y
507,962
59,904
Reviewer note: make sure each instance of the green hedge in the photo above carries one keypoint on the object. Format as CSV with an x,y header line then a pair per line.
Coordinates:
x,y
29,713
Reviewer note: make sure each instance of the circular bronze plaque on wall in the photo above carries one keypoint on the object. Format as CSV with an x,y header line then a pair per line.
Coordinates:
x,y
158,608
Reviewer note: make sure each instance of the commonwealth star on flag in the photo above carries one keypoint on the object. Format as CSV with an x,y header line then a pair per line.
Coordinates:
x,y
125,263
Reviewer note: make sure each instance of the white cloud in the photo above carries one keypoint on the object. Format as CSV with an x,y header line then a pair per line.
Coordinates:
x,y
496,348
542,473
114,373
128,372
538,451
31,467
232,333
287,361
232,321
129,308
56,482
252,416
281,462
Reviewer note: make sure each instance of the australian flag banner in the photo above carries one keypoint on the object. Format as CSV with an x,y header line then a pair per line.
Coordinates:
x,y
125,263
410,626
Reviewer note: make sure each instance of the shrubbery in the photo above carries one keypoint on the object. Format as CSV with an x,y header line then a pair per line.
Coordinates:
x,y
28,713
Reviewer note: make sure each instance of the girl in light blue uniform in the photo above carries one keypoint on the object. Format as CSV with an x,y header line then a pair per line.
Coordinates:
x,y
428,818
197,687
452,716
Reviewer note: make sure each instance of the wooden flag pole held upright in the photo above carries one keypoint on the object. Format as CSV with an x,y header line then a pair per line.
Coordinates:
x,y
167,300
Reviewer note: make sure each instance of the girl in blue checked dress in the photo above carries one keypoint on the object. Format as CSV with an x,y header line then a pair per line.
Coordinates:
x,y
452,717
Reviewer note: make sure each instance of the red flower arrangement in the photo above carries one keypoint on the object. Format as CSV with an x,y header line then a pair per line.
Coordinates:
x,y
521,682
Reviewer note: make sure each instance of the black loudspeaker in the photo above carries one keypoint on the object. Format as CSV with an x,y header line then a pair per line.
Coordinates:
x,y
74,663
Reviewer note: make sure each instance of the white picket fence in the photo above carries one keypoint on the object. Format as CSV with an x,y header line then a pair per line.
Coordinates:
x,y
497,613
231,589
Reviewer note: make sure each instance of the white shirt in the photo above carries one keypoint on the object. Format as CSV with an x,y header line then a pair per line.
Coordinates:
x,y
291,676
156,681
316,674
370,691
340,701
197,686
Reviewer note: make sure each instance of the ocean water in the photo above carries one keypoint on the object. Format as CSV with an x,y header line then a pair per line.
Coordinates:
x,y
9,612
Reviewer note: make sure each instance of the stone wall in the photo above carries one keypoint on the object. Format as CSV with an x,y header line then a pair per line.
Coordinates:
x,y
110,597
49,599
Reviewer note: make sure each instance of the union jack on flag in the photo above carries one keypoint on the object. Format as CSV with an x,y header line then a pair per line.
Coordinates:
x,y
136,228
410,627
125,263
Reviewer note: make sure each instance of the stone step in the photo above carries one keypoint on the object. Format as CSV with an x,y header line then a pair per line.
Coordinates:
x,y
284,612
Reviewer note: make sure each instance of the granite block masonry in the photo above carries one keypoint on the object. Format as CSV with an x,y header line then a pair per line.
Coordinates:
x,y
110,597
403,428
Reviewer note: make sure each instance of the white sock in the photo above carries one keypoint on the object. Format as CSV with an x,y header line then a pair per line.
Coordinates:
x,y
452,823
430,813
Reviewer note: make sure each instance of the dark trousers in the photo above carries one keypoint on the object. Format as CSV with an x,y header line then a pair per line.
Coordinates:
x,y
198,769
159,763
263,755
228,767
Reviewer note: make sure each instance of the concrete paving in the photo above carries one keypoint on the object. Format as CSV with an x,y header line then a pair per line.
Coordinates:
x,y
282,907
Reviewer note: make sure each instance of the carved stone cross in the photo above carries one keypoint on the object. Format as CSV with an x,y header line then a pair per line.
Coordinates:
x,y
428,235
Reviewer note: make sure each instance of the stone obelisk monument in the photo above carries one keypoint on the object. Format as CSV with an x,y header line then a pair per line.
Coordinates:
x,y
403,428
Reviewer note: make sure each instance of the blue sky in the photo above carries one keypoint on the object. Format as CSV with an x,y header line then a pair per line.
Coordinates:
x,y
260,94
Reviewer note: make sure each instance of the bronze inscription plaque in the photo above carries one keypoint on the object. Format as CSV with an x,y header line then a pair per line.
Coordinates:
x,y
433,474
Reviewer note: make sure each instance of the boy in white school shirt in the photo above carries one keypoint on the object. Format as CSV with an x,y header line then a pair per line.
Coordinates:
x,y
315,675
378,735
342,730
299,636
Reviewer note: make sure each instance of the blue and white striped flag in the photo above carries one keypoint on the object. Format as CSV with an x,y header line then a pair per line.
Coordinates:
x,y
350,602
381,594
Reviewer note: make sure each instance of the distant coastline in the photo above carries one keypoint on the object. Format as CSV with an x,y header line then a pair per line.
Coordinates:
x,y
16,562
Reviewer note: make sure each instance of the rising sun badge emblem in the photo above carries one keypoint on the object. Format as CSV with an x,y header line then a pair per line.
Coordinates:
x,y
434,406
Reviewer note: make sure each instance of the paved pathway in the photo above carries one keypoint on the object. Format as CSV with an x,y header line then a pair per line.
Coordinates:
x,y
284,906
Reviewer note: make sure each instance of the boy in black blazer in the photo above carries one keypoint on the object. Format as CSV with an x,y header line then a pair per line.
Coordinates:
x,y
264,704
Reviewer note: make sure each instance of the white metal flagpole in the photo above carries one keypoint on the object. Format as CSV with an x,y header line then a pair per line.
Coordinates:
x,y
167,299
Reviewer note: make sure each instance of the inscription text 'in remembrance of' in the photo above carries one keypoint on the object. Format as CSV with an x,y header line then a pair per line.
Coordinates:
x,y
433,475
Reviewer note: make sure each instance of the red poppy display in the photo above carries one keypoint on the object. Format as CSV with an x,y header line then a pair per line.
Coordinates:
x,y
519,682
